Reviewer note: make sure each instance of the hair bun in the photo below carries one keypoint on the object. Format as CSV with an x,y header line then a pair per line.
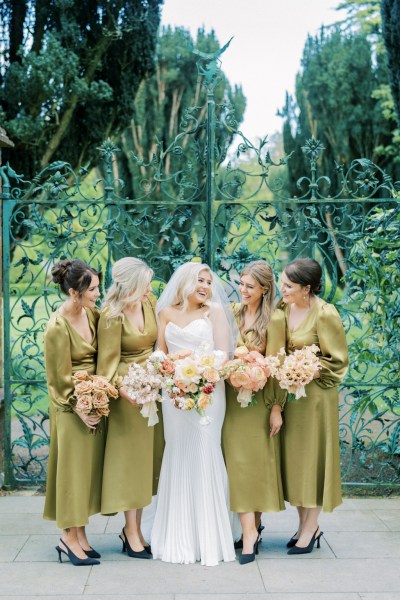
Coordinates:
x,y
59,270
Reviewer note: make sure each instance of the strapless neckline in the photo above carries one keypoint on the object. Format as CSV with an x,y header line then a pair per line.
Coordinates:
x,y
188,325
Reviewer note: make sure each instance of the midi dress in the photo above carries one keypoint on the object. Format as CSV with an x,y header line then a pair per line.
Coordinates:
x,y
252,457
310,433
75,465
130,461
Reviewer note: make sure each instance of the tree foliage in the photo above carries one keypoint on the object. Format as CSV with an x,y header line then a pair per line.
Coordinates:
x,y
69,71
160,109
336,102
391,34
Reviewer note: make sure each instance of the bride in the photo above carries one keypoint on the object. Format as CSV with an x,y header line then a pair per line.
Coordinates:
x,y
192,521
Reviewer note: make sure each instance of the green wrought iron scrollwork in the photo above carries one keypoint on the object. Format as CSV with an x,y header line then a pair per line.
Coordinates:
x,y
225,205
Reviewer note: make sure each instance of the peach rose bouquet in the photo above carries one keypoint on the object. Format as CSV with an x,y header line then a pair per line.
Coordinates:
x,y
189,378
92,394
248,372
298,369
143,384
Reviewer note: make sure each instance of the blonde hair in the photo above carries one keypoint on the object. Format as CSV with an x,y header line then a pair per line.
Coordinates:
x,y
186,281
131,276
263,275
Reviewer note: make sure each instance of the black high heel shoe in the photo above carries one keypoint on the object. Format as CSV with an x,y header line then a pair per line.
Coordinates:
x,y
310,547
244,559
148,549
78,562
92,553
239,544
293,541
132,553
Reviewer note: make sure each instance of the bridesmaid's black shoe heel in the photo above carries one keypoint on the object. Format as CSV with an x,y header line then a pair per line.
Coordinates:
x,y
92,553
148,549
239,544
310,547
132,553
244,559
78,562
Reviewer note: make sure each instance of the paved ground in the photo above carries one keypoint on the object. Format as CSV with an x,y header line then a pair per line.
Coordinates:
x,y
359,559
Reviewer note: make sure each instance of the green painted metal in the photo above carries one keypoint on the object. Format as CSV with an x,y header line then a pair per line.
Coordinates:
x,y
351,225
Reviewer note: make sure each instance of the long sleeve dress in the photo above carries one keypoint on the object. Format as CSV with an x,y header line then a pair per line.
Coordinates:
x,y
75,465
310,434
252,457
129,453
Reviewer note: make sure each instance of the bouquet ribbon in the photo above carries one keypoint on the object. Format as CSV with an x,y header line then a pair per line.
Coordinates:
x,y
150,410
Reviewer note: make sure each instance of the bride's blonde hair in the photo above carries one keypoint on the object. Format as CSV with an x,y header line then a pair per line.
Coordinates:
x,y
264,276
131,276
187,279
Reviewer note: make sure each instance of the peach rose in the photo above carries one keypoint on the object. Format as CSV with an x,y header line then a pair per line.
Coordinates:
x,y
257,376
241,351
211,375
193,388
203,401
84,387
112,391
104,411
167,367
84,404
240,379
100,399
80,375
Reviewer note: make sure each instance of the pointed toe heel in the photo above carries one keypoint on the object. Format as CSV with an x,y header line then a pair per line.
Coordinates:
x,y
245,559
92,553
75,560
132,553
310,547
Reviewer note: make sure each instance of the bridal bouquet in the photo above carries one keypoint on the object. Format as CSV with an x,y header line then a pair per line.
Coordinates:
x,y
190,377
143,384
298,369
248,373
92,394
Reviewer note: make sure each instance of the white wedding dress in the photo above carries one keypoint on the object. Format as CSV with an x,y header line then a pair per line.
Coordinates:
x,y
192,521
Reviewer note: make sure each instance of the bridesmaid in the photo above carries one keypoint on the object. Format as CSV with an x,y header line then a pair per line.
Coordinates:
x,y
75,466
310,436
127,333
250,435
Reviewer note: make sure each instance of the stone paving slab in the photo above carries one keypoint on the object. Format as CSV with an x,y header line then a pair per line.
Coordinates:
x,y
362,544
298,574
10,546
391,518
140,577
27,579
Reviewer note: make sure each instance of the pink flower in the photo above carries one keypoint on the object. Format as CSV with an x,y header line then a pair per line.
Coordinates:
x,y
84,404
167,367
211,375
80,375
240,379
83,387
241,352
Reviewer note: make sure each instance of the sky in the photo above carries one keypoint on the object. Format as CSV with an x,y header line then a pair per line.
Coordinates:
x,y
265,53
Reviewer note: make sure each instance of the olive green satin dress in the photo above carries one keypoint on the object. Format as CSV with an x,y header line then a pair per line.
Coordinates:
x,y
310,434
75,466
130,458
252,457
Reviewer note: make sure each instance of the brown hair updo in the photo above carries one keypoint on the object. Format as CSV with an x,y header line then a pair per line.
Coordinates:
x,y
264,276
75,274
305,271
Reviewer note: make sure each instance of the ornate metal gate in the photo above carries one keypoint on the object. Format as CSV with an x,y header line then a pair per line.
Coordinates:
x,y
184,214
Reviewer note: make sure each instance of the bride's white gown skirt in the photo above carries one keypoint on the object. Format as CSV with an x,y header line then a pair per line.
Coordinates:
x,y
192,521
